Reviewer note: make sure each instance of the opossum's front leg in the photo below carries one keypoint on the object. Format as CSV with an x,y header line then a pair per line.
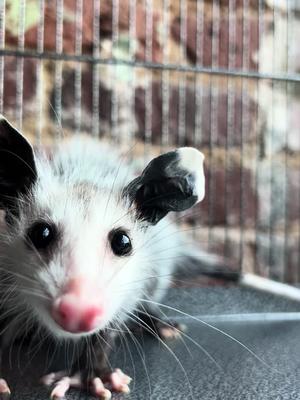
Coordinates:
x,y
90,372
151,322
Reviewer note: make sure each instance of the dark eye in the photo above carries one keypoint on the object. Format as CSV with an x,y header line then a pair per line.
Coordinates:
x,y
41,235
120,242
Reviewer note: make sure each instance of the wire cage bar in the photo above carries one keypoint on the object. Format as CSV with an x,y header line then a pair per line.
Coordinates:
x,y
221,75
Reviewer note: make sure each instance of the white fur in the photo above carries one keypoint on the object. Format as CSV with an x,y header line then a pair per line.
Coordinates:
x,y
85,219
192,160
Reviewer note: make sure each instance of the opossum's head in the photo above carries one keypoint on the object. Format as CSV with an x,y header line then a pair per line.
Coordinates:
x,y
76,250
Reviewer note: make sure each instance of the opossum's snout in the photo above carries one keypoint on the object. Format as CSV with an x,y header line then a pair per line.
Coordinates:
x,y
76,317
76,310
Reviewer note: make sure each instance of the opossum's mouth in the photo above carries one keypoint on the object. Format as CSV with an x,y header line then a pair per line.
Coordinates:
x,y
59,332
44,315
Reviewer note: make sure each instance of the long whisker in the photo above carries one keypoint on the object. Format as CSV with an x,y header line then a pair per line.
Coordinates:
x,y
28,327
136,319
215,329
152,317
122,160
34,293
187,337
99,340
142,356
18,275
58,120
122,342
35,349
16,333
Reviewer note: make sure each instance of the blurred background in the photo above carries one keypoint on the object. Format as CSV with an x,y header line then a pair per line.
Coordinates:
x,y
221,75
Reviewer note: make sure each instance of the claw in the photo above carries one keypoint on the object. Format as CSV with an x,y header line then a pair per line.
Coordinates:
x,y
120,381
53,377
99,389
60,389
126,379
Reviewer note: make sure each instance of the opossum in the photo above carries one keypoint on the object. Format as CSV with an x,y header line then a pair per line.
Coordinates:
x,y
86,241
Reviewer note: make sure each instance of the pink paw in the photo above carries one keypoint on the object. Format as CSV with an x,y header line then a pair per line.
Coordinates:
x,y
171,331
116,381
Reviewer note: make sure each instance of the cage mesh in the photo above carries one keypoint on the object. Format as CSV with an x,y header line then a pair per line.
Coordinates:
x,y
221,75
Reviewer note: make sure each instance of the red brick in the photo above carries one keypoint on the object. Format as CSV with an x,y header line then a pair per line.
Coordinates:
x,y
206,136
224,201
106,16
10,84
223,42
68,99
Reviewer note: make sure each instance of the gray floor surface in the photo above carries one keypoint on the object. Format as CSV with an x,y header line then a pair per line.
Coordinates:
x,y
209,362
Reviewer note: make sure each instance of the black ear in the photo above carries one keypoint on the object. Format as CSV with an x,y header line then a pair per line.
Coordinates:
x,y
17,165
171,182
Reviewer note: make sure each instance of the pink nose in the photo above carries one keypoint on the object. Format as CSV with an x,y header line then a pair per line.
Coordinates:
x,y
75,316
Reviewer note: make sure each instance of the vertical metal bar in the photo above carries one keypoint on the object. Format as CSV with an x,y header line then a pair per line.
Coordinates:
x,y
257,245
199,62
58,67
132,50
78,70
114,95
39,73
182,81
279,90
115,23
148,57
290,276
165,75
20,64
230,113
214,111
96,75
198,84
294,21
272,243
245,121
2,46
292,37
